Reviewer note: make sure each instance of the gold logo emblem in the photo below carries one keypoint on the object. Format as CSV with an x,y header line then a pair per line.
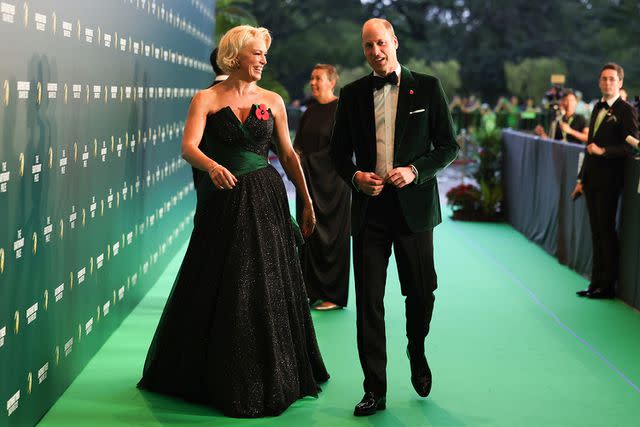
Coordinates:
x,y
108,252
16,317
50,157
102,207
98,311
26,14
114,297
87,90
21,164
75,151
79,332
126,140
1,260
118,199
35,242
99,34
121,94
71,280
57,353
39,97
79,28
46,299
29,382
91,265
54,21
95,147
5,92
113,143
61,229
106,94
84,216
66,93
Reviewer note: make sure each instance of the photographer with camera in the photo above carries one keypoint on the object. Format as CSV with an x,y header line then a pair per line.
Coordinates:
x,y
567,125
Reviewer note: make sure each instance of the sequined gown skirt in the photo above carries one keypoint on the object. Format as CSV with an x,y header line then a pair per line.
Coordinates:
x,y
236,331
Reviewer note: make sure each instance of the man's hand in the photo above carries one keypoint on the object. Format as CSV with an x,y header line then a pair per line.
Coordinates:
x,y
564,126
399,177
595,150
369,183
539,130
577,192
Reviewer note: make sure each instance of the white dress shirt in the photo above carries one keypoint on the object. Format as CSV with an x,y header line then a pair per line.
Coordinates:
x,y
385,106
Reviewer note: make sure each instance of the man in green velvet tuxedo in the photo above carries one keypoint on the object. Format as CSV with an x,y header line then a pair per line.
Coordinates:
x,y
398,125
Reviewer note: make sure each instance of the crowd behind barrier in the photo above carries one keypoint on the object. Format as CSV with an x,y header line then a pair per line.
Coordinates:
x,y
538,178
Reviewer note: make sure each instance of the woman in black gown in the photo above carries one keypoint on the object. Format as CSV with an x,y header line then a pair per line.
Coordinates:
x,y
326,254
236,332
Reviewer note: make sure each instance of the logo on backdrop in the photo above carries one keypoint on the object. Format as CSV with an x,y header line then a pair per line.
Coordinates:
x,y
29,382
5,92
16,328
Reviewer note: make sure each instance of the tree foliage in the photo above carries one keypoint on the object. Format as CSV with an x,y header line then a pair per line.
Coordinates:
x,y
530,77
480,35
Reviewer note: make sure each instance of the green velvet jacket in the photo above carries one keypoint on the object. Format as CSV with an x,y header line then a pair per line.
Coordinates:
x,y
423,138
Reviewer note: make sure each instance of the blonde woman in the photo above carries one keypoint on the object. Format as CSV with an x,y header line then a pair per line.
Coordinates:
x,y
236,332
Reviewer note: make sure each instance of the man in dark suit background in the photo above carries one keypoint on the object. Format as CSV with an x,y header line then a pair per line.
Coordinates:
x,y
398,125
613,122
220,77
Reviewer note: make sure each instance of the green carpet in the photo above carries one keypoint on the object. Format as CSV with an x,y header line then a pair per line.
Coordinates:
x,y
510,345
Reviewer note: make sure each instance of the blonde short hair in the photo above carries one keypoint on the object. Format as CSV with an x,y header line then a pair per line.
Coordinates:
x,y
332,73
234,41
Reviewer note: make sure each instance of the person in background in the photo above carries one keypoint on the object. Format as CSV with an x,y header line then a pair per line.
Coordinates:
x,y
570,126
326,254
624,95
198,175
612,131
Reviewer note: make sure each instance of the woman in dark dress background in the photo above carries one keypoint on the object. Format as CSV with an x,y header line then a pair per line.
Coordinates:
x,y
325,255
236,332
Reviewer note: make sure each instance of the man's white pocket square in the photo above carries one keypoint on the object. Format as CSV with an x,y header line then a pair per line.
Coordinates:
x,y
417,111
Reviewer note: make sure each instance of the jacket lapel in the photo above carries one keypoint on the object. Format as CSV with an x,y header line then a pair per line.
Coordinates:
x,y
404,101
367,116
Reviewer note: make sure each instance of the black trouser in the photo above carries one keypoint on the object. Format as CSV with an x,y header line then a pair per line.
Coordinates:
x,y
385,226
602,206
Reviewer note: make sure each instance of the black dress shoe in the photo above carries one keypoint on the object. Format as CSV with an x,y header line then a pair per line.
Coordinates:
x,y
583,292
600,293
421,377
370,404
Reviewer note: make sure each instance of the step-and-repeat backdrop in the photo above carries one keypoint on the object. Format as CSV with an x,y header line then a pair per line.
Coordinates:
x,y
94,196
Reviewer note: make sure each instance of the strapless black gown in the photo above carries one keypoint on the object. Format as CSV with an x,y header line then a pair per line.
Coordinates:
x,y
236,332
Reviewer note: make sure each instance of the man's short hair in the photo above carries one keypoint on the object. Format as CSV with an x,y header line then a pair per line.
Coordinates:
x,y
386,24
213,59
613,66
569,92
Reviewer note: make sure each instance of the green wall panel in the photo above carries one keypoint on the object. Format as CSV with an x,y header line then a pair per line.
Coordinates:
x,y
94,197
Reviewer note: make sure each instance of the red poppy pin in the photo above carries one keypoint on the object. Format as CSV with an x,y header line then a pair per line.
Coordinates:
x,y
410,91
261,112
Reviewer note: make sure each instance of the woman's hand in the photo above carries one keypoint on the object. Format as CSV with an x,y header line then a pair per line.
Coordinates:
x,y
308,221
222,178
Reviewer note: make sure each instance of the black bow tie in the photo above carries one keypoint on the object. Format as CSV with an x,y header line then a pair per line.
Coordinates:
x,y
379,82
601,104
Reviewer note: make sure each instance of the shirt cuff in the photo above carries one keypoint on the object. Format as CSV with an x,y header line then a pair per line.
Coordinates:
x,y
415,172
353,181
